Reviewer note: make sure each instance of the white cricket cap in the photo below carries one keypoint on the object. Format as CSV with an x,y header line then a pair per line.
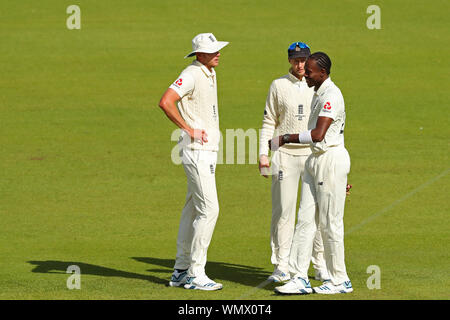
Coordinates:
x,y
207,43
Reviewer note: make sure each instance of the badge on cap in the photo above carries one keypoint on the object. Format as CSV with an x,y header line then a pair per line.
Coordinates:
x,y
297,48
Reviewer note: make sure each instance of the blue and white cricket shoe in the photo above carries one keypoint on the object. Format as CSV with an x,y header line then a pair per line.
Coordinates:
x,y
296,285
178,278
279,276
329,288
202,283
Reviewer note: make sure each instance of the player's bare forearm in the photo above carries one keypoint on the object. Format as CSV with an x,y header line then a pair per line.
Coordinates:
x,y
167,104
174,116
317,134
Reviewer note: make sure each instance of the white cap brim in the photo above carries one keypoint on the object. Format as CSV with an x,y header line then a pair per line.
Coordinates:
x,y
210,49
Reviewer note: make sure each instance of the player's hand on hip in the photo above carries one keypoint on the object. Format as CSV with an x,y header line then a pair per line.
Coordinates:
x,y
199,134
264,165
276,143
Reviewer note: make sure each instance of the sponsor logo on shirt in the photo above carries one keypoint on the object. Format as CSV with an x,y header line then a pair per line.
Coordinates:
x,y
179,82
327,107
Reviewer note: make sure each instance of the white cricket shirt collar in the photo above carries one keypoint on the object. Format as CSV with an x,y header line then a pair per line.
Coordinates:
x,y
324,86
205,69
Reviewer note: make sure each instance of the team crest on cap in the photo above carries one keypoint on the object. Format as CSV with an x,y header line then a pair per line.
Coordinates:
x,y
297,48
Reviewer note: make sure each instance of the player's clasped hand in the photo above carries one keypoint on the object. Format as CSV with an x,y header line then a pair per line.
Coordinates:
x,y
264,166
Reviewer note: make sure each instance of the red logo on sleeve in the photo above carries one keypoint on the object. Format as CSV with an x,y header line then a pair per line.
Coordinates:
x,y
327,106
179,82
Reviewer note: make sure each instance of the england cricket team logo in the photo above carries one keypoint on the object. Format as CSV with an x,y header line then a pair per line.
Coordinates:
x,y
214,113
280,175
300,114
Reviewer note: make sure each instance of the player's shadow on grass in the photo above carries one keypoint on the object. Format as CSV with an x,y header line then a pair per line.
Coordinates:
x,y
51,266
245,275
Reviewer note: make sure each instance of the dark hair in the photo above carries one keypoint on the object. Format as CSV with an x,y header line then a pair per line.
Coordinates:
x,y
322,60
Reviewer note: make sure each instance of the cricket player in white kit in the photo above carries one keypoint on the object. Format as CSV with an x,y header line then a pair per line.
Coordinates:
x,y
287,109
197,114
324,184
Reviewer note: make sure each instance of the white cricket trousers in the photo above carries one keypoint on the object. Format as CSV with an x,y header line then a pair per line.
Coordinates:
x,y
200,211
323,188
287,170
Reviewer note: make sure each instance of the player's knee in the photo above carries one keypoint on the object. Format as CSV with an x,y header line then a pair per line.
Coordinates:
x,y
286,219
306,227
332,233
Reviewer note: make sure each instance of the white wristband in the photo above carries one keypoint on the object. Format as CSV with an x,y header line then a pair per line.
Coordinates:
x,y
305,137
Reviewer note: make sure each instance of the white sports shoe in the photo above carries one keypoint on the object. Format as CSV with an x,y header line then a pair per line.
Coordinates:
x,y
279,276
178,278
202,283
295,286
329,288
321,275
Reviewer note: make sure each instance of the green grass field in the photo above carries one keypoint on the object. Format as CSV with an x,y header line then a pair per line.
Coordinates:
x,y
86,176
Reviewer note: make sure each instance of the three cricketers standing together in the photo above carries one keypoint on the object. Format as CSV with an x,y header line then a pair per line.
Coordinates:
x,y
306,111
